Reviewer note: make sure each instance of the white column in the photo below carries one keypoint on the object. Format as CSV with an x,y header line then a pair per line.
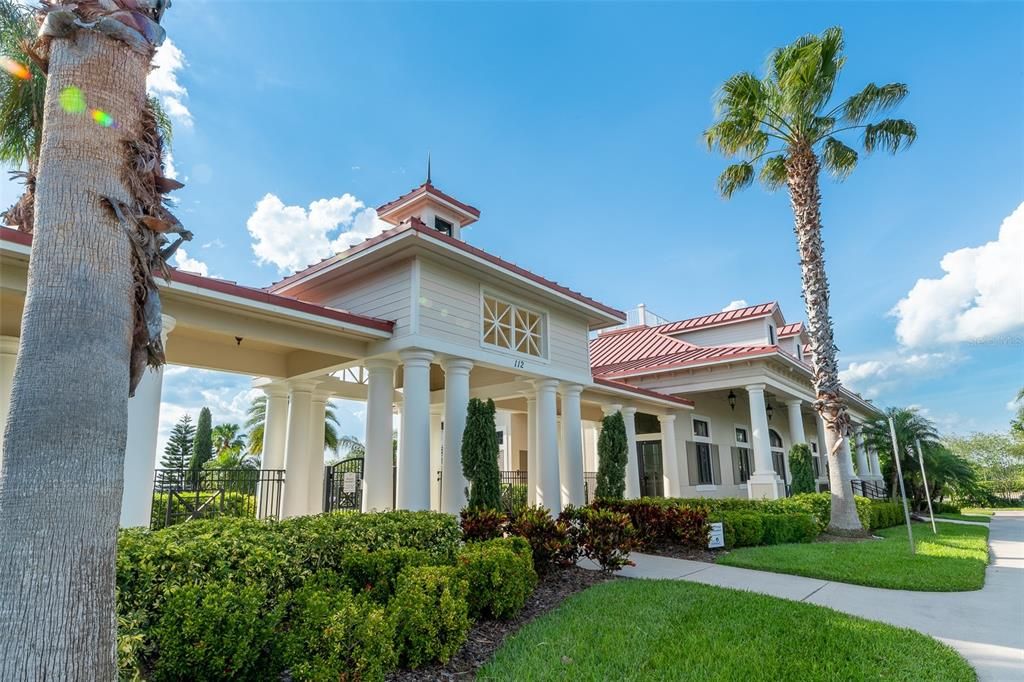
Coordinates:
x,y
876,467
570,470
297,449
378,474
318,414
632,467
669,455
532,464
796,422
456,399
764,482
140,446
863,473
436,456
548,489
822,450
414,458
8,358
275,431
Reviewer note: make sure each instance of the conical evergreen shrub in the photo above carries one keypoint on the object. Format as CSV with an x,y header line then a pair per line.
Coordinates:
x,y
480,456
612,449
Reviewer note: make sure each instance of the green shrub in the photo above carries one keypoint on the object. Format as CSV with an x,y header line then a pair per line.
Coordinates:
x,y
332,635
885,514
549,539
514,496
375,574
430,614
742,528
225,504
480,456
499,578
612,450
603,536
801,465
214,631
785,528
482,524
945,508
657,523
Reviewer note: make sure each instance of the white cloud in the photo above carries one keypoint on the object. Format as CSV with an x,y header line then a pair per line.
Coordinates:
x,y
169,170
162,82
292,237
735,305
185,262
873,377
980,296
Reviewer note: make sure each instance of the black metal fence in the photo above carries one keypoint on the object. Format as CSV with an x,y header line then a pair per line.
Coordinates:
x,y
874,490
514,487
343,485
589,486
180,495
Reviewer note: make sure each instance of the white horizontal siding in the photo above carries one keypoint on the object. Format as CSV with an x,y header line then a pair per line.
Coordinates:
x,y
749,333
386,294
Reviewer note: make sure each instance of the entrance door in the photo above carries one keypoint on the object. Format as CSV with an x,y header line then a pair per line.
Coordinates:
x,y
651,481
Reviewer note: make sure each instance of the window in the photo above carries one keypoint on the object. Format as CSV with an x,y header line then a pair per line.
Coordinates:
x,y
701,429
771,335
814,460
704,476
442,225
512,327
743,456
778,453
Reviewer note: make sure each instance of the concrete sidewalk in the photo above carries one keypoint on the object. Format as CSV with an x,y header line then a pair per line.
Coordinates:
x,y
986,626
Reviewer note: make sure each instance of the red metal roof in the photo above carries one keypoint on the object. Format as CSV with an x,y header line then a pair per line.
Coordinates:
x,y
428,188
600,381
416,225
248,293
717,319
791,329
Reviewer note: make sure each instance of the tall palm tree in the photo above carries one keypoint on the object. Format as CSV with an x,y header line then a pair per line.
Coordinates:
x,y
784,128
911,427
256,419
87,284
227,439
21,107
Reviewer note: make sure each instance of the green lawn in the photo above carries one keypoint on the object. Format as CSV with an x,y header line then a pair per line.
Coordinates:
x,y
978,518
952,561
988,511
671,630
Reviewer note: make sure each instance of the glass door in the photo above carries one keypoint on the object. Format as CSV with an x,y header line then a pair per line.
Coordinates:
x,y
651,480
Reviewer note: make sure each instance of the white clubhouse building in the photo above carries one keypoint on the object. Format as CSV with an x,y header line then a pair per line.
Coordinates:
x,y
416,321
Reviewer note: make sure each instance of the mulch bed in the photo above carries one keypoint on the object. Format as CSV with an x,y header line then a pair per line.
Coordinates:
x,y
680,552
487,636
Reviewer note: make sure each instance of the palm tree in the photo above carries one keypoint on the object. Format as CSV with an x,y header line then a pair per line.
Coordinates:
x,y
784,126
88,280
21,107
227,439
256,419
350,446
911,427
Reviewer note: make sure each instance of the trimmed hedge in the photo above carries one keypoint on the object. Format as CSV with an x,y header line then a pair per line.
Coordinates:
x,y
500,576
228,504
746,529
430,614
885,514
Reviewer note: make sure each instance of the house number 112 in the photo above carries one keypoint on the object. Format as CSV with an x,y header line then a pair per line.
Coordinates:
x,y
519,364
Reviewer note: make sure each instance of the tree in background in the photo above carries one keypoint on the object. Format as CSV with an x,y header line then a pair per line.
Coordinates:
x,y
612,451
256,419
801,466
202,446
90,326
785,125
178,450
1017,423
480,456
998,460
226,439
911,426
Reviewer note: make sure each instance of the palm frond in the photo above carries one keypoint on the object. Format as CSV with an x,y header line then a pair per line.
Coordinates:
x,y
807,71
873,99
21,101
838,159
892,134
735,177
773,172
163,120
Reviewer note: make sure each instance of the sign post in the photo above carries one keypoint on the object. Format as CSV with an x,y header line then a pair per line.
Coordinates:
x,y
927,494
903,490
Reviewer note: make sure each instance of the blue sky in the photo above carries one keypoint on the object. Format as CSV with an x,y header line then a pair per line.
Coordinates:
x,y
575,128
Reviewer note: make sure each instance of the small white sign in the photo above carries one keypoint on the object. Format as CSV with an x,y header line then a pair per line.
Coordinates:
x,y
349,482
716,538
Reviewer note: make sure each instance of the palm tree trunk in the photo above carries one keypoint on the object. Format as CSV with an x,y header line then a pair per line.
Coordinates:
x,y
802,178
62,473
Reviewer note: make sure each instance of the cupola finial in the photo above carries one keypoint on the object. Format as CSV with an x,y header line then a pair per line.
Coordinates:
x,y
428,168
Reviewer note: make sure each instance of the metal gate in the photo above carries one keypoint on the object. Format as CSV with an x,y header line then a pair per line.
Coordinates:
x,y
181,495
343,485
